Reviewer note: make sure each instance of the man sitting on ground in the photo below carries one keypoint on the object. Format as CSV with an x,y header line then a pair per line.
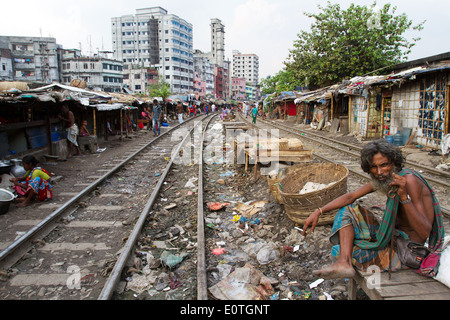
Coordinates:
x,y
360,240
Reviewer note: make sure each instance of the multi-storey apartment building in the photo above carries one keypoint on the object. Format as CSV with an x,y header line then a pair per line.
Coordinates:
x,y
34,59
199,86
238,89
138,79
205,70
6,69
154,38
100,73
246,66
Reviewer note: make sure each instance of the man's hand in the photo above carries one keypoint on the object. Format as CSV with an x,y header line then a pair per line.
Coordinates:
x,y
312,221
400,182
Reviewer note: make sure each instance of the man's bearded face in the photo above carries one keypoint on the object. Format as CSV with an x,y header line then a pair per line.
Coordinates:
x,y
381,173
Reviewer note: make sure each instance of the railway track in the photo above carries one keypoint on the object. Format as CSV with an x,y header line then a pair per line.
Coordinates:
x,y
332,150
84,247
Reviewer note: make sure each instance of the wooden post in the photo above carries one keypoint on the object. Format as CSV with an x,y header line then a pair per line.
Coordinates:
x,y
350,114
367,118
95,122
447,116
332,107
121,123
382,115
49,135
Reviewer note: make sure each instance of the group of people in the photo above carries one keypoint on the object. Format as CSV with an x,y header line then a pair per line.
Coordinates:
x,y
360,240
153,115
254,110
193,110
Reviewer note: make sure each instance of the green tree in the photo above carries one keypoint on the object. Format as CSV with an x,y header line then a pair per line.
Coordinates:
x,y
346,43
284,80
160,89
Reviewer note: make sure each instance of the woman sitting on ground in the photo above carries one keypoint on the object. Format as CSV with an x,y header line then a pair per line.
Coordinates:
x,y
34,185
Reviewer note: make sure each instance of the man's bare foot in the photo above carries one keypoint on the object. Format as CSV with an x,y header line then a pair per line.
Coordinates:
x,y
335,271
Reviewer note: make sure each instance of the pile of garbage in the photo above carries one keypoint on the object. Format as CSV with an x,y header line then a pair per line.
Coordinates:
x,y
254,251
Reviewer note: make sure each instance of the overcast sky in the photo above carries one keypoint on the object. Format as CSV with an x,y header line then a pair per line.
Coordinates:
x,y
267,28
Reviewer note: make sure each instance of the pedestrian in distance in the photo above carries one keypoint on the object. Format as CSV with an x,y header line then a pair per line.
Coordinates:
x,y
180,111
72,129
157,116
254,113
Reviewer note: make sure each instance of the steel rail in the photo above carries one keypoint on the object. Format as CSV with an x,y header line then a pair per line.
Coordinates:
x,y
202,287
24,239
114,278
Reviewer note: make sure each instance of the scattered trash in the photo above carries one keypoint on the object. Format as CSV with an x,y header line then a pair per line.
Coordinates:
x,y
170,206
248,210
162,282
316,283
236,218
245,283
190,183
218,251
328,296
171,260
138,283
211,226
275,296
227,174
214,206
224,270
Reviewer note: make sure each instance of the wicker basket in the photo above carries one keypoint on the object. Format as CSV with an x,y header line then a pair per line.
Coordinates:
x,y
273,182
299,206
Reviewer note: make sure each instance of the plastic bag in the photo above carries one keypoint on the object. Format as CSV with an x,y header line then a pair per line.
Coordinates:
x,y
214,206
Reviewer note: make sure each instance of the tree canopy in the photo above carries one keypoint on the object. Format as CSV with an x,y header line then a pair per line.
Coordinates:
x,y
160,89
346,43
282,81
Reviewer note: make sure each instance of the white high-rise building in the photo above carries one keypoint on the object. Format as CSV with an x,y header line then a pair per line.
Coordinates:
x,y
154,38
217,42
246,66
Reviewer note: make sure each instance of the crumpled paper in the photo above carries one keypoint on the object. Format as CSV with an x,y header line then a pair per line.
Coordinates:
x,y
245,283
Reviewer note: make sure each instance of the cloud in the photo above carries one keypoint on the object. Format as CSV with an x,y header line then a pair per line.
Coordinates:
x,y
254,22
257,27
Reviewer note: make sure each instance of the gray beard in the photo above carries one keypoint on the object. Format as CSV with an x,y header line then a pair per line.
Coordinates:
x,y
382,187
